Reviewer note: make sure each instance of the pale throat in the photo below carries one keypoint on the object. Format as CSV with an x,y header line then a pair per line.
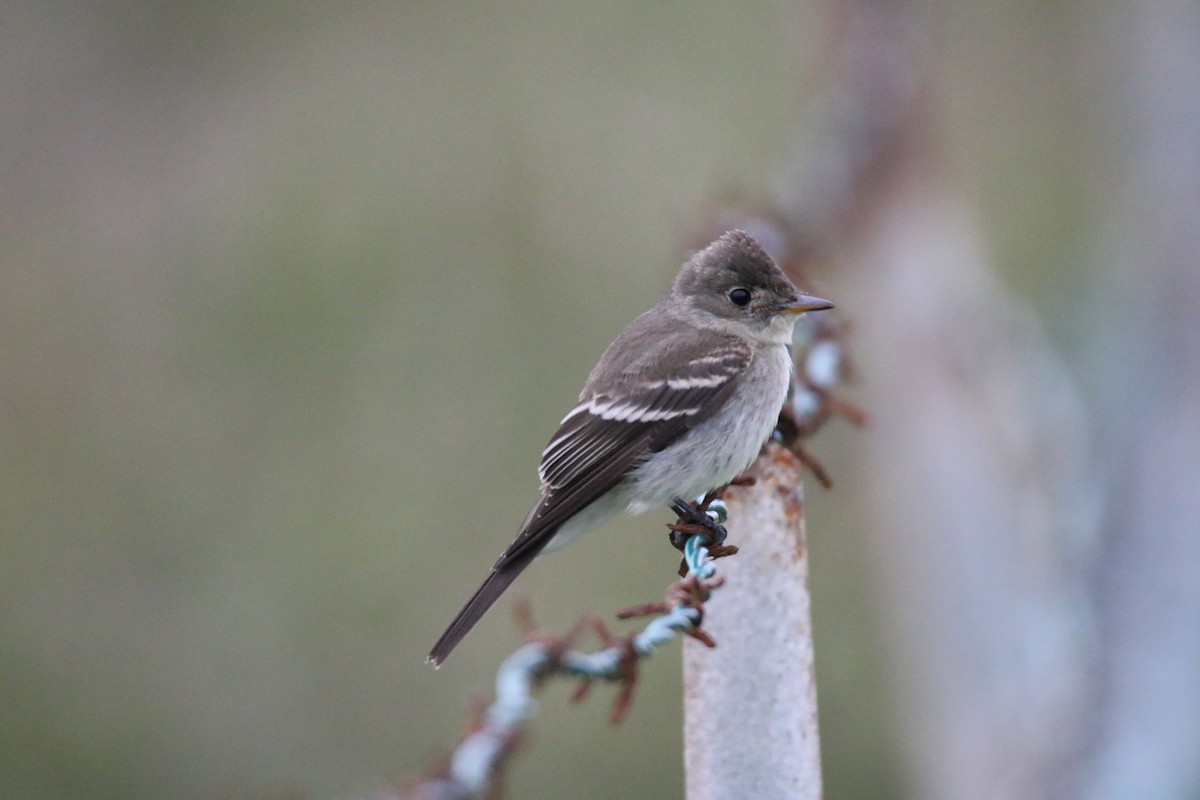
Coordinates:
x,y
780,329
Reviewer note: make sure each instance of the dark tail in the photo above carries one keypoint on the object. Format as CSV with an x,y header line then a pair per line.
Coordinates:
x,y
501,576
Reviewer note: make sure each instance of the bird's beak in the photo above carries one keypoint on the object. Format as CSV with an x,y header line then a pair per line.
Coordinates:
x,y
804,302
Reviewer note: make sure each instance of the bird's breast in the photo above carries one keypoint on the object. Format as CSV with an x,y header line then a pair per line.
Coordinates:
x,y
723,445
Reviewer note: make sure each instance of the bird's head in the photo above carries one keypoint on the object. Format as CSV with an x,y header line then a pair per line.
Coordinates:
x,y
733,285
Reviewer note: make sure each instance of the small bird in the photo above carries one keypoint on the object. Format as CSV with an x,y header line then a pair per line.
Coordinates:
x,y
679,404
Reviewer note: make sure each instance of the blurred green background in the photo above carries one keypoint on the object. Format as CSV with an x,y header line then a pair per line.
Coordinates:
x,y
291,298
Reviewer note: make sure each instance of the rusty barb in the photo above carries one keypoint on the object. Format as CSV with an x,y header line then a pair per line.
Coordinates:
x,y
704,519
494,733
822,365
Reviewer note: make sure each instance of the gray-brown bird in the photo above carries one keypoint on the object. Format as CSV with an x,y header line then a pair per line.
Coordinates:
x,y
679,404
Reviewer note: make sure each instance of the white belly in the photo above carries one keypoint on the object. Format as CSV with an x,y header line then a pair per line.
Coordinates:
x,y
725,444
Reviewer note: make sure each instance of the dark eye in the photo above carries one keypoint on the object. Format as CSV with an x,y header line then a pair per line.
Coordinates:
x,y
739,297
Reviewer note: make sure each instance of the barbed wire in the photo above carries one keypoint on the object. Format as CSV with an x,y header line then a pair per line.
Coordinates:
x,y
473,768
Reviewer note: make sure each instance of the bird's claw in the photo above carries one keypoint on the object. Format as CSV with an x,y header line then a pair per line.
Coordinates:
x,y
694,521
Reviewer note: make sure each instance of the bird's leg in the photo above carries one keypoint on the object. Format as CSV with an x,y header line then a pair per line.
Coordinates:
x,y
694,520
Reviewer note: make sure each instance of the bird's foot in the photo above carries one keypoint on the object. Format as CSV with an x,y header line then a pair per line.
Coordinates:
x,y
694,520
